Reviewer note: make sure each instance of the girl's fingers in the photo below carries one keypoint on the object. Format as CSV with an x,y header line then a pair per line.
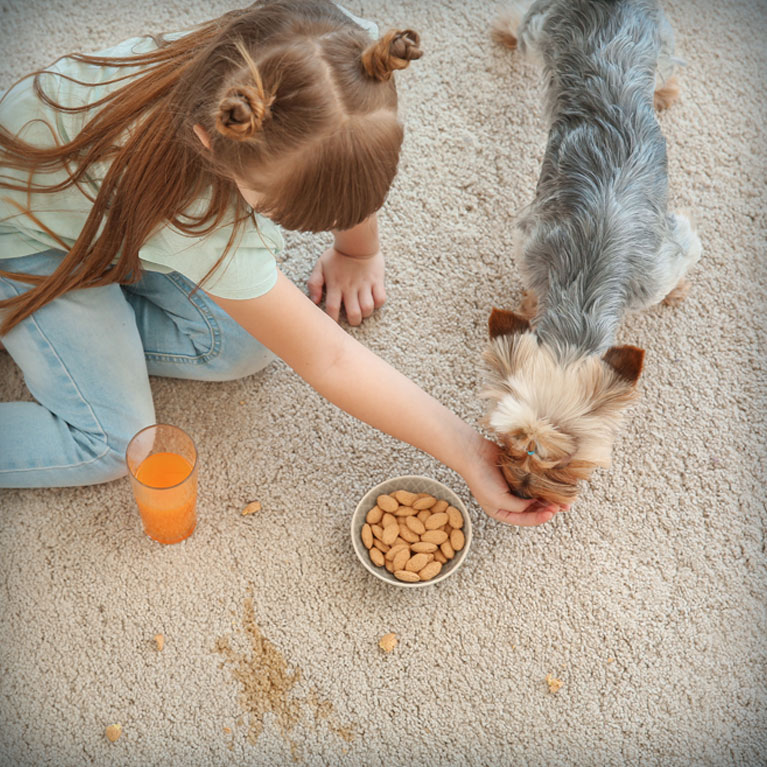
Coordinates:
x,y
352,306
379,295
315,283
366,302
333,303
537,516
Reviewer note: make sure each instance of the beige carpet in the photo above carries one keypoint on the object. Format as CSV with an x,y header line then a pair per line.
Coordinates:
x,y
647,600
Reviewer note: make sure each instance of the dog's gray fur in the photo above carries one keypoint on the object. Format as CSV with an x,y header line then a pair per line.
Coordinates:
x,y
598,239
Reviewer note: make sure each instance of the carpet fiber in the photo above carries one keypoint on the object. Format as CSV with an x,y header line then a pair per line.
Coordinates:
x,y
647,600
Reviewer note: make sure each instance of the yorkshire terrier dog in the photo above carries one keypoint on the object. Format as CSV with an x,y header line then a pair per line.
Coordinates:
x,y
596,241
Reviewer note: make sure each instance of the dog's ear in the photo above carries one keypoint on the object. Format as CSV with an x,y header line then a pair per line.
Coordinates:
x,y
505,323
626,361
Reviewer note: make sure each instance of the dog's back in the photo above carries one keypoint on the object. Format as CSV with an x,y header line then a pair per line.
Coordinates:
x,y
591,237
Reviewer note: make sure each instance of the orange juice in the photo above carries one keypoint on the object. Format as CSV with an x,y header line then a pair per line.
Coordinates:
x,y
167,496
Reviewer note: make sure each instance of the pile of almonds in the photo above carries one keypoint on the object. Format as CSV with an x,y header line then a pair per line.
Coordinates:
x,y
412,534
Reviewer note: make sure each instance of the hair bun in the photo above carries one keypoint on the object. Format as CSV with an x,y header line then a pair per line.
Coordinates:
x,y
242,112
395,50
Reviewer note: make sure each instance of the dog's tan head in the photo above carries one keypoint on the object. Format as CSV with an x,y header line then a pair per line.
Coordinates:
x,y
556,422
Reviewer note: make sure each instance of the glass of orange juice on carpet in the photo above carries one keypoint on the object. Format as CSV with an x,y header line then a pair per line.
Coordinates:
x,y
162,461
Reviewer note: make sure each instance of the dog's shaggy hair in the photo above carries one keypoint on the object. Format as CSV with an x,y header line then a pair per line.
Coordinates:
x,y
596,241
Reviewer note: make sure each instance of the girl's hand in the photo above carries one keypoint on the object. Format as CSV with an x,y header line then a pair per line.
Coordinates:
x,y
488,486
357,283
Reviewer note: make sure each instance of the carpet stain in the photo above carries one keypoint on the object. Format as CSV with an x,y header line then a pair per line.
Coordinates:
x,y
268,685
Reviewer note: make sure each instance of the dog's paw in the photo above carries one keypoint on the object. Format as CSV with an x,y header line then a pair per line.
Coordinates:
x,y
678,294
667,94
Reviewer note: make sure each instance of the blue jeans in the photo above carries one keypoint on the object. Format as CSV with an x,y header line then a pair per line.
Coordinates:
x,y
86,359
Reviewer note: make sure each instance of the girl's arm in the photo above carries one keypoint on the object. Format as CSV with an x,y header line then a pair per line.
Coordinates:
x,y
352,273
350,376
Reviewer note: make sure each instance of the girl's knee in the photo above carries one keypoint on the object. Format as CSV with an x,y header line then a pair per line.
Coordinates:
x,y
104,455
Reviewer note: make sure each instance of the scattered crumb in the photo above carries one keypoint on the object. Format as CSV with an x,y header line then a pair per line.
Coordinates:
x,y
227,730
611,660
252,508
270,688
242,401
388,642
160,641
114,731
553,683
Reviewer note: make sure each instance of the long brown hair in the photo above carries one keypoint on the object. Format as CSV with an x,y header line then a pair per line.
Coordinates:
x,y
295,98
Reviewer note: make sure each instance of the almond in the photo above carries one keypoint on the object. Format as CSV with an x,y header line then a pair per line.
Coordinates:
x,y
406,533
390,534
388,519
436,520
404,497
376,557
454,517
435,536
395,549
425,502
387,503
415,525
424,547
405,511
401,558
406,575
374,516
367,536
377,531
447,550
417,562
429,571
457,539
439,507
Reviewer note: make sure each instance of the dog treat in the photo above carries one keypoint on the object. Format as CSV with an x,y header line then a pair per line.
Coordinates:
x,y
553,683
388,642
114,731
412,535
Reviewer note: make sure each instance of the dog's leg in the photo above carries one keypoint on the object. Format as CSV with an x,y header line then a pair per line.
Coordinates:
x,y
529,306
520,26
678,294
679,254
666,94
666,83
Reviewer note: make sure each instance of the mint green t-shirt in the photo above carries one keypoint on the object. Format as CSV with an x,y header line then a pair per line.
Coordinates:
x,y
249,269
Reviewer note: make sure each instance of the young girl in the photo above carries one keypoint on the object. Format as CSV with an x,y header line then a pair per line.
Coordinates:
x,y
141,191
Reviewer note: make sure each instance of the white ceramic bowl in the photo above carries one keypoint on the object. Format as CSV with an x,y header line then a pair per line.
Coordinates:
x,y
414,484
